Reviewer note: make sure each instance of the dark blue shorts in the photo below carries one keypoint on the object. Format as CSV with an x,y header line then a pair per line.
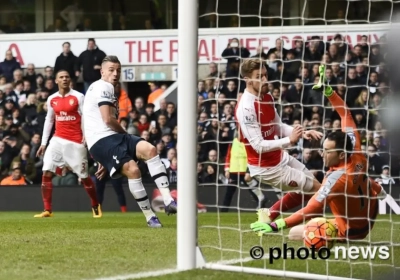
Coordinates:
x,y
114,151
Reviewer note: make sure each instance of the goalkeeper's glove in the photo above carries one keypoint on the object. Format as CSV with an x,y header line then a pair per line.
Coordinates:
x,y
270,227
321,86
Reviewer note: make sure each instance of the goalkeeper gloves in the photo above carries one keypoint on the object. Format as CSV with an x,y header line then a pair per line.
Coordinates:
x,y
321,86
270,227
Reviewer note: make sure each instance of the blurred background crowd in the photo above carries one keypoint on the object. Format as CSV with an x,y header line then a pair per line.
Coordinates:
x,y
357,73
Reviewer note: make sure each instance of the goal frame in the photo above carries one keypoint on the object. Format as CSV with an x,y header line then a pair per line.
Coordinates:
x,y
189,255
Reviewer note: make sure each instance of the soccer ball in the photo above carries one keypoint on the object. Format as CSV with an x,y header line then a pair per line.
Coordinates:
x,y
320,233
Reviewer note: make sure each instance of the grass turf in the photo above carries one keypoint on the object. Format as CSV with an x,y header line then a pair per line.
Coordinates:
x,y
76,246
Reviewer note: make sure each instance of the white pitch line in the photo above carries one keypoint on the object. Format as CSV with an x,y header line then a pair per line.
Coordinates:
x,y
140,275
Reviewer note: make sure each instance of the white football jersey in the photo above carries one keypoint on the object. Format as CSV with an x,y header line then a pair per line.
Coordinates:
x,y
99,93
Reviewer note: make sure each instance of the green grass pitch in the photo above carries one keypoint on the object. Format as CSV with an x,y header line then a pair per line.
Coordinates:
x,y
76,246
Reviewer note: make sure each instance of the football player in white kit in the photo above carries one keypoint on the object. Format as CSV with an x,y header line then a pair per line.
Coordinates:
x,y
260,126
116,150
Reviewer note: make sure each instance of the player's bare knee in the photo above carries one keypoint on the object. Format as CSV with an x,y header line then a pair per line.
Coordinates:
x,y
247,177
145,150
131,170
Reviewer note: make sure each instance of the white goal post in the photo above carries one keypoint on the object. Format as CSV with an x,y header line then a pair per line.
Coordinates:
x,y
189,255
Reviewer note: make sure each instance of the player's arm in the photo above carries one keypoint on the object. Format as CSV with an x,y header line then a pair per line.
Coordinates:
x,y
284,130
106,111
81,100
348,124
314,207
106,107
251,130
48,123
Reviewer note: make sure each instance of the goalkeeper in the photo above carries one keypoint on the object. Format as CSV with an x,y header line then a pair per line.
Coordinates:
x,y
350,194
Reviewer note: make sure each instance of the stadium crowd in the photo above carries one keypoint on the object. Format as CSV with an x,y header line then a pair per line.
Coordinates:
x,y
357,73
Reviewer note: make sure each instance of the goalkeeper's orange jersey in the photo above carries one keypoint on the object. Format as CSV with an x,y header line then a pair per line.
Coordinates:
x,y
350,194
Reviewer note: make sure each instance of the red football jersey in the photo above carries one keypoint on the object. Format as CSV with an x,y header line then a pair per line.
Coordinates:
x,y
66,112
254,116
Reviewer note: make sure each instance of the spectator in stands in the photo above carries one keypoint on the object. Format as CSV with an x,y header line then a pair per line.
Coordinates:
x,y
26,164
86,26
50,86
162,124
213,71
233,53
139,105
15,179
57,26
143,124
72,15
8,66
89,62
150,112
13,27
171,115
49,73
260,53
31,76
278,50
172,171
39,82
16,133
385,177
155,92
66,61
6,156
30,110
17,75
124,103
163,108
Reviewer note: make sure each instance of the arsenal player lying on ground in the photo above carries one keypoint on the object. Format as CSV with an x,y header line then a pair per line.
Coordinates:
x,y
350,194
67,146
259,126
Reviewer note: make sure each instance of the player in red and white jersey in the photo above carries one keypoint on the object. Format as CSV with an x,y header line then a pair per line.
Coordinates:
x,y
66,147
266,137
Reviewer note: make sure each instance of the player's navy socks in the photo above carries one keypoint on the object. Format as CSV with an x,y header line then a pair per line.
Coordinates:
x,y
287,202
139,193
91,190
47,193
159,174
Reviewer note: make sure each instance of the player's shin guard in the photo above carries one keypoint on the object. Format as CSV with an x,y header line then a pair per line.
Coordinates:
x,y
287,202
91,190
47,193
159,174
139,193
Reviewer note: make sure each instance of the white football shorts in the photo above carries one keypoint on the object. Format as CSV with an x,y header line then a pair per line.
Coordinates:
x,y
62,152
289,175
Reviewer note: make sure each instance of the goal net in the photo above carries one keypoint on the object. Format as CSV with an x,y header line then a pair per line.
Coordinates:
x,y
294,38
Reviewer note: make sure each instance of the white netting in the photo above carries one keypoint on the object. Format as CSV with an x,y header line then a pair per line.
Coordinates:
x,y
350,38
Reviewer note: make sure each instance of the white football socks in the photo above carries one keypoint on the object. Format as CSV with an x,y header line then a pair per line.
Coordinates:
x,y
139,193
159,174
